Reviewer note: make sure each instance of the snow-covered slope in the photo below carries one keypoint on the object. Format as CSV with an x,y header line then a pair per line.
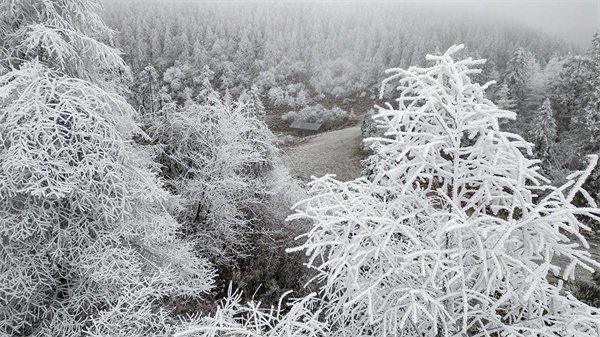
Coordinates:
x,y
336,152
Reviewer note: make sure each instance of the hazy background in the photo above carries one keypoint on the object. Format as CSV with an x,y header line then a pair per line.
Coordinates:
x,y
574,21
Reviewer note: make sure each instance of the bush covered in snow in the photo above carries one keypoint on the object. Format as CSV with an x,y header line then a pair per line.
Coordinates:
x,y
329,118
293,95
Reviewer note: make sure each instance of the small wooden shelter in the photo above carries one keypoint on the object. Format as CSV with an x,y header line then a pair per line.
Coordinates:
x,y
304,129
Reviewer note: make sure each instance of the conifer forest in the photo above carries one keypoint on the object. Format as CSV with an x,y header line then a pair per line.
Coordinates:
x,y
296,169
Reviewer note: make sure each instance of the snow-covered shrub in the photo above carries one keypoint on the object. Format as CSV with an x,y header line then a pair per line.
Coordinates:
x,y
233,318
455,231
329,118
286,140
293,95
277,96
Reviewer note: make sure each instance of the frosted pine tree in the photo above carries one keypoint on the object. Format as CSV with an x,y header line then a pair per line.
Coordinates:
x,y
455,232
518,71
591,111
88,246
594,51
257,104
504,101
544,130
590,119
207,92
502,98
148,97
571,93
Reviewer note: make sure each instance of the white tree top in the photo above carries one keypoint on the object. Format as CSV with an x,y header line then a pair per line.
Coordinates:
x,y
455,232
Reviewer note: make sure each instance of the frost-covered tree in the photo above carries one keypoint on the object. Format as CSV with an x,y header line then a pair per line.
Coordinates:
x,y
87,242
502,98
594,51
63,34
215,157
88,246
572,91
204,79
277,96
455,231
590,119
148,97
179,81
544,130
254,102
542,80
518,71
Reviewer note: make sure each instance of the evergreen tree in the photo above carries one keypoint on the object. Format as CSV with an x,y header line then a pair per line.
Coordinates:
x,y
155,46
206,90
544,130
590,120
594,51
572,91
182,47
199,55
257,104
149,93
518,71
542,80
168,44
591,112
502,98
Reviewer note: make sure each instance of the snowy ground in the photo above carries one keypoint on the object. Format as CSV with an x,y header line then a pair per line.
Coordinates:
x,y
336,152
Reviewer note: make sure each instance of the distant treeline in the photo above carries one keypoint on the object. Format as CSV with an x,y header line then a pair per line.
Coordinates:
x,y
296,54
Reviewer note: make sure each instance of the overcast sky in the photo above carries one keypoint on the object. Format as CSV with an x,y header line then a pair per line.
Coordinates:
x,y
573,21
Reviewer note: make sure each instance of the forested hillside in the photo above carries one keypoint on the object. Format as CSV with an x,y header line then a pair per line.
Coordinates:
x,y
294,55
150,184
